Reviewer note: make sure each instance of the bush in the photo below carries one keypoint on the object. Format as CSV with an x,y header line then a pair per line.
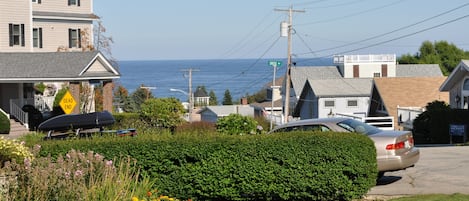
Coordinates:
x,y
11,150
4,124
75,176
283,166
236,124
162,112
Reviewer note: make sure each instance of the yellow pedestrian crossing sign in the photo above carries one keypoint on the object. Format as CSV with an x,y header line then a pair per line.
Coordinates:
x,y
68,103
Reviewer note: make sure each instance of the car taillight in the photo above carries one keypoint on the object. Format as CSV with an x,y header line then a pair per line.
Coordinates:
x,y
396,146
411,140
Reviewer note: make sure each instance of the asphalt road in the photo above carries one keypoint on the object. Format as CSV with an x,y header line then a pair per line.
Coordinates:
x,y
441,169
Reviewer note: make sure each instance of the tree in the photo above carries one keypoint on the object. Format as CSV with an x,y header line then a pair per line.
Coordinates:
x,y
102,42
227,99
236,124
440,52
137,98
121,97
213,98
162,112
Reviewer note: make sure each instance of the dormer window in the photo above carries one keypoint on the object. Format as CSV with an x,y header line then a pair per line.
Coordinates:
x,y
74,2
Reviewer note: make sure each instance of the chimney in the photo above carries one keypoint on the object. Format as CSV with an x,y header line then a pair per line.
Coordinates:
x,y
244,101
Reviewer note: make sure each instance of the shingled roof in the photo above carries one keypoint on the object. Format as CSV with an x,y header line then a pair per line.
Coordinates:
x,y
55,66
418,70
299,75
408,92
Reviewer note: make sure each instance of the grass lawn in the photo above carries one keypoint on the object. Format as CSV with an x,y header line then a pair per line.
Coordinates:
x,y
434,197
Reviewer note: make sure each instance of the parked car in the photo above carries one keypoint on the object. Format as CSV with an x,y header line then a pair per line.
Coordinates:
x,y
395,149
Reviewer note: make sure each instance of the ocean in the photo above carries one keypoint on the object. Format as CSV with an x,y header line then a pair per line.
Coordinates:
x,y
239,76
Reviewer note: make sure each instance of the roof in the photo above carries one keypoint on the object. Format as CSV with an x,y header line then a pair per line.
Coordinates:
x,y
200,93
409,92
418,70
346,87
461,71
299,75
225,110
268,104
55,66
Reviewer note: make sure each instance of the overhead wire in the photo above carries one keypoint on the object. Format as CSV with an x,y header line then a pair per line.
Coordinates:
x,y
399,37
390,32
352,14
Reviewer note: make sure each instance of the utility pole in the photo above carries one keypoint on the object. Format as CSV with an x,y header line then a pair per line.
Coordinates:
x,y
190,94
289,62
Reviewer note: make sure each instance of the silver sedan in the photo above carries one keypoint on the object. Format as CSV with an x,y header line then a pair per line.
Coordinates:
x,y
395,149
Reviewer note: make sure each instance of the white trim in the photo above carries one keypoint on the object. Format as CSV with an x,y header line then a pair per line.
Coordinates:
x,y
20,80
101,58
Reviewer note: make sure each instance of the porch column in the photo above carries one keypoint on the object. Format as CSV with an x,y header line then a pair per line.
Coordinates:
x,y
107,95
74,88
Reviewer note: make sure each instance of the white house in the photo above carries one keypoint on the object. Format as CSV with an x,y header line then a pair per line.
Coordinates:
x,y
457,84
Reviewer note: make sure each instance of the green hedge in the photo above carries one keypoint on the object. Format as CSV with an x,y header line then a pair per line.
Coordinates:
x,y
432,127
283,166
4,124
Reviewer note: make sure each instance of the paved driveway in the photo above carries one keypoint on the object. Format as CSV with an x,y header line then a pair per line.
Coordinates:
x,y
443,169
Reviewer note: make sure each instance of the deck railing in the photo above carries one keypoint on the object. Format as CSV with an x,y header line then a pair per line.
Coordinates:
x,y
385,123
18,113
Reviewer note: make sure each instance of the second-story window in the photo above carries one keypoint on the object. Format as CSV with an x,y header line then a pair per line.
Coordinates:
x,y
16,33
74,38
36,1
74,2
37,37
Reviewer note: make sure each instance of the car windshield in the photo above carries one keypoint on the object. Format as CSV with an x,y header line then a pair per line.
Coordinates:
x,y
358,127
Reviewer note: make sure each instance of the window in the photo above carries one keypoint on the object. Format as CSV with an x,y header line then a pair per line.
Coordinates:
x,y
37,37
36,1
74,2
74,38
376,75
352,103
329,103
16,33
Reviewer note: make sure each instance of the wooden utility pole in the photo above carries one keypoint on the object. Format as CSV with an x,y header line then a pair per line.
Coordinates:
x,y
289,62
190,94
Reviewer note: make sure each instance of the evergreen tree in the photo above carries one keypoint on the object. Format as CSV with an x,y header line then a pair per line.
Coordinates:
x,y
213,98
227,99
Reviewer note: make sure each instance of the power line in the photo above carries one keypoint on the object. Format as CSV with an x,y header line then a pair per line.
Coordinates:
x,y
400,37
352,14
390,32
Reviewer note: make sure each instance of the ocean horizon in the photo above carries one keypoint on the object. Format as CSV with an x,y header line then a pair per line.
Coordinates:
x,y
239,76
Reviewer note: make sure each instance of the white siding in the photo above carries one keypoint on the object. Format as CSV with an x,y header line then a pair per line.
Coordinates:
x,y
15,12
341,106
367,70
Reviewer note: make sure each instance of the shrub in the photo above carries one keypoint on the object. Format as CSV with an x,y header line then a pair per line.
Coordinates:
x,y
11,150
162,112
76,176
282,166
4,124
236,124
196,128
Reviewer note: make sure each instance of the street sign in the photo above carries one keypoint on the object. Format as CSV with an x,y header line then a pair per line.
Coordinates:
x,y
275,63
68,103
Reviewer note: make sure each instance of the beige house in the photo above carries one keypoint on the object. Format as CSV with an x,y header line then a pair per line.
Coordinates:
x,y
49,41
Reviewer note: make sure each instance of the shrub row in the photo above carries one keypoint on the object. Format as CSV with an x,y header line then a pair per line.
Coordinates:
x,y
283,166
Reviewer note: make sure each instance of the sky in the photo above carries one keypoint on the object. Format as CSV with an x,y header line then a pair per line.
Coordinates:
x,y
210,29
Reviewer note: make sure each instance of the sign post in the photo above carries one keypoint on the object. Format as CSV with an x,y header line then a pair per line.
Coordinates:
x,y
68,103
274,64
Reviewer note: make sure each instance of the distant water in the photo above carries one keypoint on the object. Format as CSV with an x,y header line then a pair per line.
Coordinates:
x,y
239,76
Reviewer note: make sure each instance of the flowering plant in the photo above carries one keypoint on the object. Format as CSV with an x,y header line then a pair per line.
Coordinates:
x,y
11,150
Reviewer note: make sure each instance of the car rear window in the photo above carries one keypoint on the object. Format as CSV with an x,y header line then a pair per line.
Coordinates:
x,y
358,127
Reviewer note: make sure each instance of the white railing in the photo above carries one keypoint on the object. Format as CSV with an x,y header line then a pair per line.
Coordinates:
x,y
385,123
407,115
367,58
18,113
44,103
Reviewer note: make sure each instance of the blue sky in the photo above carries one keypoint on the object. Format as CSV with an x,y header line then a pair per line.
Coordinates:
x,y
210,29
